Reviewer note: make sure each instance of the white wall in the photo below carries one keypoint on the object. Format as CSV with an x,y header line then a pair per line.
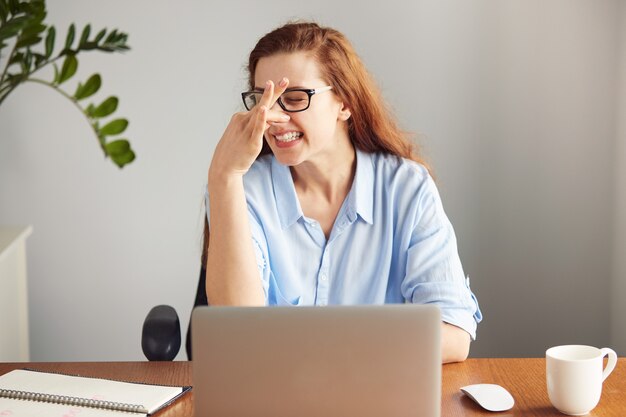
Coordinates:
x,y
514,102
543,174
618,291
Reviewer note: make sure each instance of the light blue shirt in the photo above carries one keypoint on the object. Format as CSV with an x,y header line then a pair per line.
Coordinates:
x,y
391,242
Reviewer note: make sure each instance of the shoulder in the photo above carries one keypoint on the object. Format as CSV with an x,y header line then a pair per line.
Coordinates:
x,y
260,169
407,189
260,173
393,171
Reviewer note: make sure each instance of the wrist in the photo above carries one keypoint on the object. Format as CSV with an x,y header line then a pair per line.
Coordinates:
x,y
219,179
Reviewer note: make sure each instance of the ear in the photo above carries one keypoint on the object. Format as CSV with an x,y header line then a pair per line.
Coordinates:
x,y
344,113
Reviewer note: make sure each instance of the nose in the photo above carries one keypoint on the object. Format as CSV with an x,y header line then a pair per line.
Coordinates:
x,y
277,107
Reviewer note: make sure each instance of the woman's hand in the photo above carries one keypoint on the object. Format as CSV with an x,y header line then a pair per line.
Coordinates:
x,y
232,274
242,140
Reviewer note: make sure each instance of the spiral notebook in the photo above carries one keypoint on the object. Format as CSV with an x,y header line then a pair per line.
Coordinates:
x,y
26,393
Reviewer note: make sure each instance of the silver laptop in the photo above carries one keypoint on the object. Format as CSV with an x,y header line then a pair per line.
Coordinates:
x,y
344,361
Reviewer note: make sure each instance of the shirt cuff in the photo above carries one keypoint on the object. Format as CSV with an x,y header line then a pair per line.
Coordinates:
x,y
456,301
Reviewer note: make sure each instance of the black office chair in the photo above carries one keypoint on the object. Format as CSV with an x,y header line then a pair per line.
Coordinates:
x,y
160,337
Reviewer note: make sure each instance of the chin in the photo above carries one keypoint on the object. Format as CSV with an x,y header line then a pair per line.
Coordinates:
x,y
288,157
288,160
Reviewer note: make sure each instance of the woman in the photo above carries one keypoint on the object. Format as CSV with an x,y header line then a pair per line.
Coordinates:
x,y
315,196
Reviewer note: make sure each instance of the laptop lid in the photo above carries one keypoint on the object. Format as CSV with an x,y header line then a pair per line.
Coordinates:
x,y
317,361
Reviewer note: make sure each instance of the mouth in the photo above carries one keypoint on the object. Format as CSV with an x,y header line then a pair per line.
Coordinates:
x,y
288,137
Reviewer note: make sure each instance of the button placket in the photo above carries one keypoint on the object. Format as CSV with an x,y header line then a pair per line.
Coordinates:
x,y
323,280
315,231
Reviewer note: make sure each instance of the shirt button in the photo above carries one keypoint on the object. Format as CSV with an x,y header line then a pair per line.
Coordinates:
x,y
323,277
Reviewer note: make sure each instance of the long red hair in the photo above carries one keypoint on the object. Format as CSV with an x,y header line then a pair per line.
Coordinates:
x,y
371,126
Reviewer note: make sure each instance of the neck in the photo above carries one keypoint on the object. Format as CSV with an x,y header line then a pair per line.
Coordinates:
x,y
330,179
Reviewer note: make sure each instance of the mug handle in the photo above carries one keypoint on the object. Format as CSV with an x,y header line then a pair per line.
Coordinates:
x,y
610,365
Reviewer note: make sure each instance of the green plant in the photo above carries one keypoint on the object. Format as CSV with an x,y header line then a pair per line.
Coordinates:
x,y
33,49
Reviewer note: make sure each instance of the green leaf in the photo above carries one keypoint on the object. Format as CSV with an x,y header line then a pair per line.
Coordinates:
x,y
56,74
33,29
100,35
39,59
90,88
117,147
14,6
24,42
115,127
71,33
50,41
27,62
115,41
34,8
15,79
112,36
18,57
88,46
12,27
70,65
120,152
107,107
4,11
85,35
124,159
89,110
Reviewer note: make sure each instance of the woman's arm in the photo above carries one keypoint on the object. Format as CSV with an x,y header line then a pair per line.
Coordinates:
x,y
455,343
232,276
434,274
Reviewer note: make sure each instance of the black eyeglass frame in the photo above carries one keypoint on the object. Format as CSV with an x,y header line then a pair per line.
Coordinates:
x,y
309,92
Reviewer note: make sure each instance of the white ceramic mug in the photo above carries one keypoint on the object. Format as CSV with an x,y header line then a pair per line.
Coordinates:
x,y
575,374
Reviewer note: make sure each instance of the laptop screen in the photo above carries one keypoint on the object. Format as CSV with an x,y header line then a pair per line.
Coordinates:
x,y
317,361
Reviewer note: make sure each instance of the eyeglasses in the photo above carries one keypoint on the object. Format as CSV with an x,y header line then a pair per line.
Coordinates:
x,y
292,100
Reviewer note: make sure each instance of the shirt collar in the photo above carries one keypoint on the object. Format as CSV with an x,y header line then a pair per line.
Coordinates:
x,y
360,198
287,203
361,195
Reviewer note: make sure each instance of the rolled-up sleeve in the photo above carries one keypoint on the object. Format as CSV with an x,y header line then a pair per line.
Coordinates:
x,y
271,289
434,274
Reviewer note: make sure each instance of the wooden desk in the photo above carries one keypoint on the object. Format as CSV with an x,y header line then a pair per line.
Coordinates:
x,y
524,378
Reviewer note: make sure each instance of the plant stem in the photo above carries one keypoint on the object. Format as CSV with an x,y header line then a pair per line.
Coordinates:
x,y
10,87
8,90
6,68
44,64
74,101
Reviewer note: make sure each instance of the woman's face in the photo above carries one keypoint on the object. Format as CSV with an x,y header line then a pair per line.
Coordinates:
x,y
318,134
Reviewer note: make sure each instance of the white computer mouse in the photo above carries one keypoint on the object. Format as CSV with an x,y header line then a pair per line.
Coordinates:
x,y
491,397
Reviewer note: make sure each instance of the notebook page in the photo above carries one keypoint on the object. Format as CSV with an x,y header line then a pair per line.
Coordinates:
x,y
150,397
20,408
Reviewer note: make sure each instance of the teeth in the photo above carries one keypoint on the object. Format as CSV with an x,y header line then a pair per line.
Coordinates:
x,y
288,137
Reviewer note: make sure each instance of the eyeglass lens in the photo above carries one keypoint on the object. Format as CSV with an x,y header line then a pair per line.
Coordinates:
x,y
290,100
